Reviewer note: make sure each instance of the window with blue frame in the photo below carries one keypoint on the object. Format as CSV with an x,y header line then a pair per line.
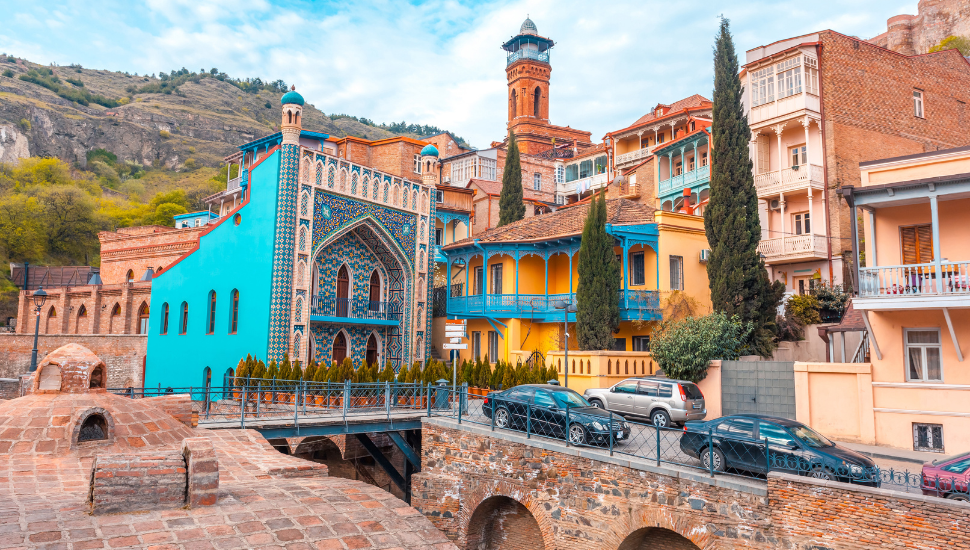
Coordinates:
x,y
585,169
637,270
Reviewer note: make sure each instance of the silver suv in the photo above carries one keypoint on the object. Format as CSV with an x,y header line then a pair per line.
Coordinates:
x,y
662,400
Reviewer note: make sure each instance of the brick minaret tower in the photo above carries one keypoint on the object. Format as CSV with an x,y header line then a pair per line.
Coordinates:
x,y
528,71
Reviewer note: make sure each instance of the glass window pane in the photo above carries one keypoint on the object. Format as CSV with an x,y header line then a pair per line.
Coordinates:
x,y
774,434
648,388
628,386
933,370
923,337
543,399
915,364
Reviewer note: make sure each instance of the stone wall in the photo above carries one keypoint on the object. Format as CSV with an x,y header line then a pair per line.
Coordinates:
x,y
505,491
124,355
9,388
935,20
135,482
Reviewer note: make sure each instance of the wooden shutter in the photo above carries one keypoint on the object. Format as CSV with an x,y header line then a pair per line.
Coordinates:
x,y
917,244
762,154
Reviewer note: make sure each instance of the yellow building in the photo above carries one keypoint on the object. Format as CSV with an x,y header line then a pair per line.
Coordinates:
x,y
511,283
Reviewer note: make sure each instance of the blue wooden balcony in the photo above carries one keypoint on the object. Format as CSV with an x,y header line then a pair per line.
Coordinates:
x,y
641,305
328,309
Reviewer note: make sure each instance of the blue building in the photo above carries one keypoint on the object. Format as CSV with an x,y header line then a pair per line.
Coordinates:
x,y
195,219
321,259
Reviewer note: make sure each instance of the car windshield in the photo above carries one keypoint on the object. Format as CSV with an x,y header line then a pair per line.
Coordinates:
x,y
958,467
570,399
810,437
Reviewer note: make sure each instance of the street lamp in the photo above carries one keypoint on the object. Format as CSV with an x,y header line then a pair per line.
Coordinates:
x,y
567,307
40,298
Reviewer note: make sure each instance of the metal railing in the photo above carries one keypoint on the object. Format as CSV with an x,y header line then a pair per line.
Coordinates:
x,y
329,306
915,279
233,184
678,182
631,301
526,53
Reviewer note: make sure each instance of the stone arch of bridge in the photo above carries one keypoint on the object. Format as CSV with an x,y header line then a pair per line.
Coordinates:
x,y
656,537
502,498
650,527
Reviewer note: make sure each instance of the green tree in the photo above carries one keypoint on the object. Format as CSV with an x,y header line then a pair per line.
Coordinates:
x,y
598,293
511,203
310,373
738,280
684,348
273,372
286,370
260,371
296,373
961,43
508,376
242,369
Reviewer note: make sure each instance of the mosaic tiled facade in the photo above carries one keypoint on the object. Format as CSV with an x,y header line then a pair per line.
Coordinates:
x,y
280,304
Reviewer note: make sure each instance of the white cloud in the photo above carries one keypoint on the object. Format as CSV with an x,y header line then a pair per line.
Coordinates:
x,y
435,62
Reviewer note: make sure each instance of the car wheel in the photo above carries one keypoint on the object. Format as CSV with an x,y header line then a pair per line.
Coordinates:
x,y
577,434
717,456
821,472
660,418
502,418
596,403
962,497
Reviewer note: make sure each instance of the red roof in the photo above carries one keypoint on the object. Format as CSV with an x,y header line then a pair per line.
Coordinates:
x,y
695,100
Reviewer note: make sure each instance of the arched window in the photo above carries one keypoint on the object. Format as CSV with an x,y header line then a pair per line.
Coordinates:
x,y
353,184
211,327
184,318
343,291
115,319
296,345
298,315
94,428
371,355
302,238
289,117
339,348
97,378
343,180
51,323
331,175
234,311
164,323
536,98
130,276
374,297
82,320
143,318
319,175
207,377
512,104
227,380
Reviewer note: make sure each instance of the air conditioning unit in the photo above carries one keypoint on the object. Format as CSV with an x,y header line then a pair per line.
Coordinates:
x,y
705,255
774,204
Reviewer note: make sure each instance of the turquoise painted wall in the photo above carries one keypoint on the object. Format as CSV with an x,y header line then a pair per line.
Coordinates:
x,y
229,257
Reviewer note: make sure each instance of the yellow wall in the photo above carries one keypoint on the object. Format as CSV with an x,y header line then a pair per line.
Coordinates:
x,y
683,235
944,164
954,244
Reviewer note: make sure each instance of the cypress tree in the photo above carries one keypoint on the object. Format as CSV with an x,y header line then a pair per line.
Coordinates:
x,y
598,293
736,273
511,203
310,374
286,370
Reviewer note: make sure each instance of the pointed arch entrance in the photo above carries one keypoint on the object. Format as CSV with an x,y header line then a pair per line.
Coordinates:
x,y
339,351
371,354
343,291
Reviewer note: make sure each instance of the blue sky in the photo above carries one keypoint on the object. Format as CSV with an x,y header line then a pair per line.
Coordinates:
x,y
435,62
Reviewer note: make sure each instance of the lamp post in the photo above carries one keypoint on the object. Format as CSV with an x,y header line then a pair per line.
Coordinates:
x,y
40,298
567,307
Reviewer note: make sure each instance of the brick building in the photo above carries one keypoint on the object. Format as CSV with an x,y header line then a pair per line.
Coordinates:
x,y
129,252
934,21
820,104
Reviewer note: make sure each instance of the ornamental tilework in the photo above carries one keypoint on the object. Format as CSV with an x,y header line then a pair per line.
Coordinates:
x,y
281,294
332,212
349,250
324,333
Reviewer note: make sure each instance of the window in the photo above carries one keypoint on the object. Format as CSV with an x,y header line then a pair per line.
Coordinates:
x,y
478,280
737,428
678,168
560,199
776,435
637,271
798,155
142,318
164,329
572,172
477,345
536,98
495,280
923,355
676,273
763,86
599,165
439,235
234,313
492,346
439,196
958,467
665,390
928,437
789,77
374,294
917,244
641,343
803,225
585,169
619,344
417,164
184,318
560,174
918,103
659,138
537,181
130,276
811,75
648,389
543,399
212,313
627,386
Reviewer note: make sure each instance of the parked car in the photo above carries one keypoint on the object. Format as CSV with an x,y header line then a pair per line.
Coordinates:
x,y
584,423
948,477
738,443
661,400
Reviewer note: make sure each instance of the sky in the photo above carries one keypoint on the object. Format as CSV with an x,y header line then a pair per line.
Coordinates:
x,y
434,62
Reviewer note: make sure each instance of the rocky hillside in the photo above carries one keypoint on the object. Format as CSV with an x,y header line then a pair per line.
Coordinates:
x,y
203,121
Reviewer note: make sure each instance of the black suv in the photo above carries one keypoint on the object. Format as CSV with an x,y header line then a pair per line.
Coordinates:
x,y
738,443
556,412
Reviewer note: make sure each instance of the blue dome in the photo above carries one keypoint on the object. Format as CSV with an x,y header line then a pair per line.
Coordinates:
x,y
291,97
429,150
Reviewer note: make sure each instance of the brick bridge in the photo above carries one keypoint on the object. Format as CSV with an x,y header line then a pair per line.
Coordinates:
x,y
500,490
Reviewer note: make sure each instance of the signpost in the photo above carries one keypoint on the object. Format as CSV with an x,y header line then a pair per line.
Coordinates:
x,y
455,331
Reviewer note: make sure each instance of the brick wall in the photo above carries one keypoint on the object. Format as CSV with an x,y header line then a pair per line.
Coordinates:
x,y
828,514
88,309
138,248
476,484
9,388
202,472
134,482
178,406
124,355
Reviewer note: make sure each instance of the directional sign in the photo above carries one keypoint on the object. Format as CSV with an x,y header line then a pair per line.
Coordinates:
x,y
454,346
455,340
456,321
454,332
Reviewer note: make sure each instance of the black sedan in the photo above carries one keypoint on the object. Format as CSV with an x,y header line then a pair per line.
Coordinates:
x,y
738,442
556,412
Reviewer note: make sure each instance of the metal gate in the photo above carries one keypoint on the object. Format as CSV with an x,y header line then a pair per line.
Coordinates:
x,y
761,387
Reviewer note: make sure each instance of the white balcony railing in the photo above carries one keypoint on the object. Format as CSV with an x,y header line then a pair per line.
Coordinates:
x,y
639,154
915,280
677,183
789,179
233,184
584,184
793,248
794,105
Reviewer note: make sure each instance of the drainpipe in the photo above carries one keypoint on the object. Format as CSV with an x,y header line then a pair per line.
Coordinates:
x,y
825,172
